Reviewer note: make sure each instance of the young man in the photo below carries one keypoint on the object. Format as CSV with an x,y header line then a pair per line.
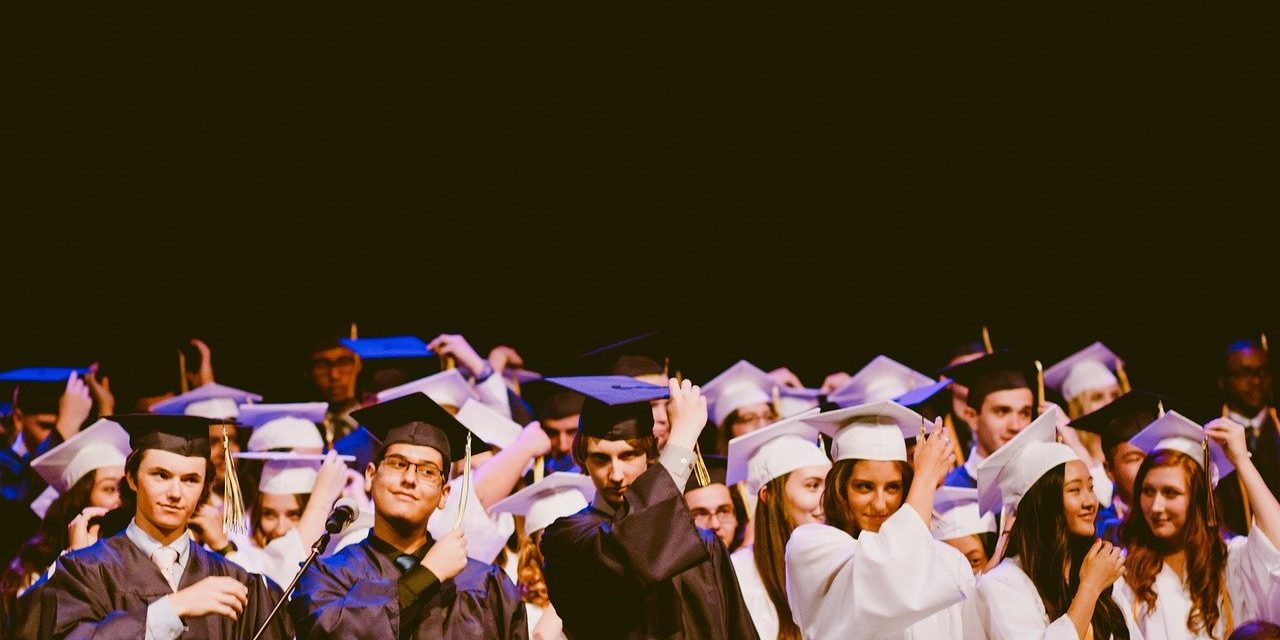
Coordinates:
x,y
1245,383
399,580
153,581
633,565
999,404
716,507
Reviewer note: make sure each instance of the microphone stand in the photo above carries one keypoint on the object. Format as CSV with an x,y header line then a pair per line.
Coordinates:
x,y
316,550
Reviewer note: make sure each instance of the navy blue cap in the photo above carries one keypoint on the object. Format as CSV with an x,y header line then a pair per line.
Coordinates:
x,y
416,419
389,347
1122,418
360,444
183,435
42,374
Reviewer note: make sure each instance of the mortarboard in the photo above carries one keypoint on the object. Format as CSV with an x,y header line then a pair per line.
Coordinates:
x,y
102,444
42,374
284,426
956,514
762,455
615,407
1006,475
181,434
874,431
40,388
920,396
882,379
1123,418
998,371
417,420
361,445
716,466
1175,432
1090,368
287,473
489,425
211,400
447,388
388,347
736,387
547,500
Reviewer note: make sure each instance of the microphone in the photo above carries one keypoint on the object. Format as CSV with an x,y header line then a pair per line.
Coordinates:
x,y
345,511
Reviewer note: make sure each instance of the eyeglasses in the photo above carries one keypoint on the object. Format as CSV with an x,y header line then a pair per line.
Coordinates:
x,y
724,514
343,363
426,471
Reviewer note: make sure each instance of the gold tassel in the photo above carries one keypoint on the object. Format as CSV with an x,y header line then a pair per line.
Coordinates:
x,y
233,520
466,484
355,332
1159,408
955,439
182,372
1039,385
777,402
539,468
1263,342
449,363
1212,506
700,472
986,339
1124,377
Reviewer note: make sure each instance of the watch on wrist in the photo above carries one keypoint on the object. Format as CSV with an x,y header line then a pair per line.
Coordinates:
x,y
227,550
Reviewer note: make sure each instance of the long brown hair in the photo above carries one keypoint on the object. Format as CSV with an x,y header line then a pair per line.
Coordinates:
x,y
532,582
773,527
835,497
1206,553
1043,543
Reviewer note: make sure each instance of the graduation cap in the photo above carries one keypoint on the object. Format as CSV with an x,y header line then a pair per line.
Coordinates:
x,y
762,455
615,407
922,396
1175,432
447,388
547,500
42,374
882,379
738,386
287,473
418,420
407,347
489,425
874,431
551,401
1006,475
102,444
40,388
998,371
211,400
956,514
284,426
1123,418
1093,367
646,354
360,445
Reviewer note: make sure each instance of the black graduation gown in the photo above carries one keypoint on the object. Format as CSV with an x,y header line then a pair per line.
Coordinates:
x,y
646,572
103,591
353,594
1266,457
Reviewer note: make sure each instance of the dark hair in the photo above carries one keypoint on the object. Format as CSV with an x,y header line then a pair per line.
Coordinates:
x,y
1206,553
991,382
1041,540
835,497
773,527
560,405
647,444
134,463
1256,630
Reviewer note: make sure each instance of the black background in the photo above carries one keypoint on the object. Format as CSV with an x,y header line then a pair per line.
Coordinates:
x,y
797,186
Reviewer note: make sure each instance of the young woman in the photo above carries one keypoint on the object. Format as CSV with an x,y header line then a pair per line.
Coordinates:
x,y
783,466
1055,579
1182,580
874,570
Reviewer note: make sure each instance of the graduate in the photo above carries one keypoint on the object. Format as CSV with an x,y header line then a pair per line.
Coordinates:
x,y
717,506
999,403
785,468
1055,578
1089,380
1181,579
1114,424
153,581
633,565
400,581
959,522
873,570
556,496
744,398
882,379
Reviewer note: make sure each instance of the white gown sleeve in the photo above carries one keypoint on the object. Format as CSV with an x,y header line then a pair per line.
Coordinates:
x,y
486,534
283,557
1253,577
877,585
761,608
1011,608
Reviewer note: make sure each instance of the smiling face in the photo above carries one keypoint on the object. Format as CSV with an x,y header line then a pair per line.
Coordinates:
x,y
1122,467
1165,500
169,487
613,465
875,491
408,484
278,514
1003,415
1080,505
804,494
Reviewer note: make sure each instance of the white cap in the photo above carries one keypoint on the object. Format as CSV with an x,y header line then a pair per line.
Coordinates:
x,y
207,401
1006,475
956,514
874,431
491,426
1089,368
284,426
882,379
541,503
287,473
793,402
102,444
1175,432
447,388
736,387
772,452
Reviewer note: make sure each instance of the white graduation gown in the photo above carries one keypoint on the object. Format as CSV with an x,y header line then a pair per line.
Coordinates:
x,y
1011,608
761,608
897,583
279,560
1253,581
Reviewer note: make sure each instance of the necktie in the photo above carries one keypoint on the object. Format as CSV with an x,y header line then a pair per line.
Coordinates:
x,y
166,560
406,562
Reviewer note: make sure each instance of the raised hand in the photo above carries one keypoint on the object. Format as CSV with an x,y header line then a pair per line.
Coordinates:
x,y
783,377
204,374
82,534
835,381
206,526
73,407
503,357
219,595
934,455
1102,566
101,391
533,441
686,412
1231,436
455,346
448,556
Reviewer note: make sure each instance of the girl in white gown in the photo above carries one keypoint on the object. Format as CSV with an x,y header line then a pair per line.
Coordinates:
x,y
1182,580
784,468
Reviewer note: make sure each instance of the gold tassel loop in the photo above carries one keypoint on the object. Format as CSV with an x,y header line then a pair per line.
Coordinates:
x,y
986,339
233,518
1122,376
700,472
466,484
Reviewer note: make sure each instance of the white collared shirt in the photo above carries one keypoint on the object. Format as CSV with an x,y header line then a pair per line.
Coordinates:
x,y
163,622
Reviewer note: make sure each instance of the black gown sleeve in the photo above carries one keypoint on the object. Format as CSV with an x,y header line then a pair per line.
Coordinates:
x,y
337,601
75,606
